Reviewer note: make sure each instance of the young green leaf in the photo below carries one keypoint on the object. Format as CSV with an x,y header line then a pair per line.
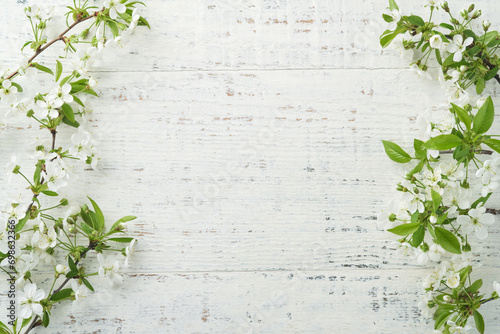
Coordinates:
x,y
72,264
49,193
60,295
68,112
393,5
87,284
20,224
480,83
436,199
475,286
484,117
122,220
59,69
45,319
99,215
123,240
418,237
493,143
416,20
395,152
478,319
401,230
42,68
443,142
462,115
447,240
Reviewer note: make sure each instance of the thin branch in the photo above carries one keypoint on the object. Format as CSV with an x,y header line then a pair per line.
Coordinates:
x,y
487,152
58,38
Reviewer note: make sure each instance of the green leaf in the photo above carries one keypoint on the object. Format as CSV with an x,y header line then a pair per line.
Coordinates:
x,y
49,193
462,115
480,83
122,220
447,240
42,68
19,88
124,239
395,152
493,143
420,151
86,217
443,142
484,117
387,18
447,26
438,57
403,229
68,112
20,224
389,35
74,124
441,317
481,200
475,286
418,168
416,20
491,73
393,5
418,237
63,294
87,284
470,33
72,274
59,69
77,100
478,319
45,319
488,37
143,22
87,229
99,215
114,28
436,199
72,264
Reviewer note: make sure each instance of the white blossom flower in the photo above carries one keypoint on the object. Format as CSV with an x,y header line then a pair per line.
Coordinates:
x,y
455,329
60,95
435,252
476,222
47,108
81,292
436,42
29,300
455,197
115,8
435,3
496,287
61,269
109,270
81,148
420,73
433,280
458,46
453,281
129,251
8,92
490,171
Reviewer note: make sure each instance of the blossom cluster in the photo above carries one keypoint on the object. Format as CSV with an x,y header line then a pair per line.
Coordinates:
x,y
441,215
51,230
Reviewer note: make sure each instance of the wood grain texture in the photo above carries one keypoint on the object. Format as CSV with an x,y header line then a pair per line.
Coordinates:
x,y
245,135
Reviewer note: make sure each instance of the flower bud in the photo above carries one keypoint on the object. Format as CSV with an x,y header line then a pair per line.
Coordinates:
x,y
433,219
16,169
465,14
424,247
463,68
486,25
471,8
447,299
466,248
63,202
476,14
392,217
445,7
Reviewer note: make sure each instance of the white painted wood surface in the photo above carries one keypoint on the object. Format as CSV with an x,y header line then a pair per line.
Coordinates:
x,y
245,135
